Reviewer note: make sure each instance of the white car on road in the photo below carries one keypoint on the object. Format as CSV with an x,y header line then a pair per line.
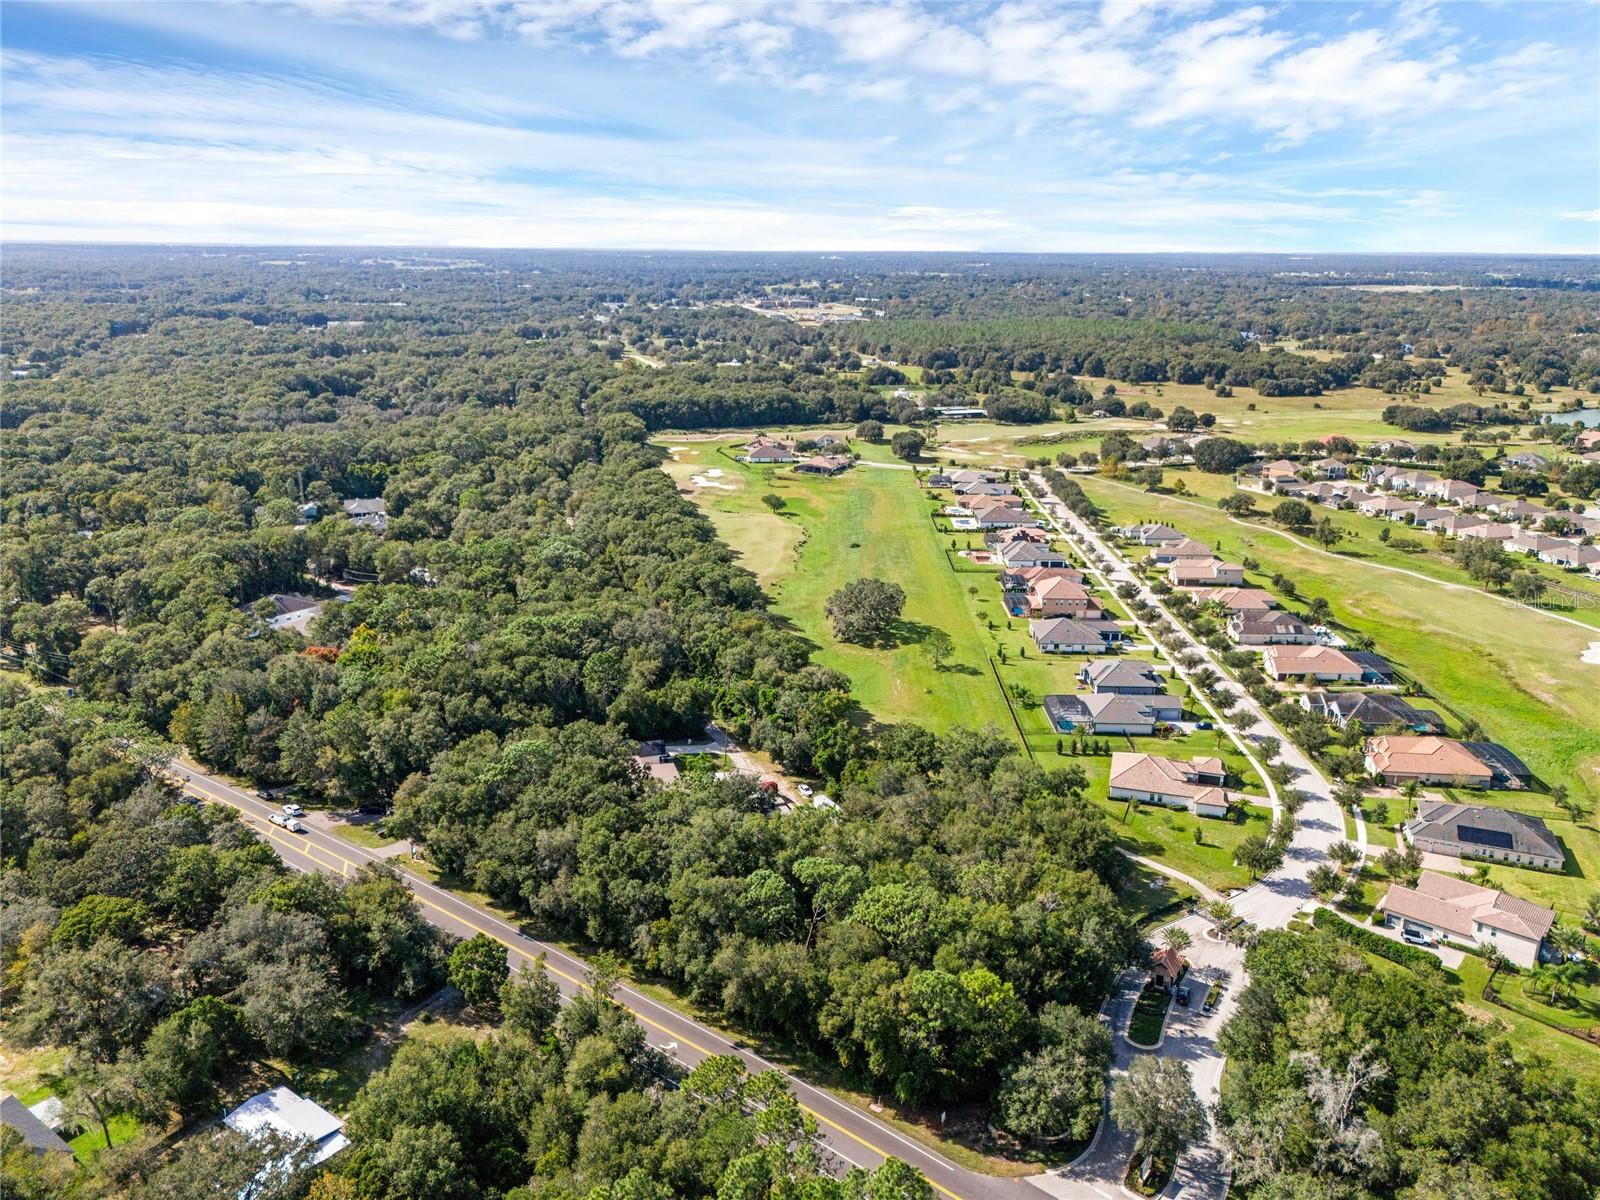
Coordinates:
x,y
293,810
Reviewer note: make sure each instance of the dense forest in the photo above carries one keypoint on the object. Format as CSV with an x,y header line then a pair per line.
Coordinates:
x,y
182,430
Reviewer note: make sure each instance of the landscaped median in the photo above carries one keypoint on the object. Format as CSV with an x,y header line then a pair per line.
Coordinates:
x,y
1149,1017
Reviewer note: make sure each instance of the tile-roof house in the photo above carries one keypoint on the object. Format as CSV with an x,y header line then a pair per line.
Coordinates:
x,y
1166,967
1152,535
1031,554
1127,677
1063,635
1572,555
1371,710
1331,468
1061,598
1110,712
1446,907
768,450
1195,785
1269,628
1480,831
1321,663
35,1134
1425,759
825,464
1237,599
1205,572
1171,552
1279,469
1589,439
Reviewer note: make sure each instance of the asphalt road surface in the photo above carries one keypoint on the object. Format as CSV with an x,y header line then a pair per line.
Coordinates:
x,y
854,1136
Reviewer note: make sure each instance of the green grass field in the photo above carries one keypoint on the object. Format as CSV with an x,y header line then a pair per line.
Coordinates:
x,y
1167,835
1528,1034
1364,546
1516,671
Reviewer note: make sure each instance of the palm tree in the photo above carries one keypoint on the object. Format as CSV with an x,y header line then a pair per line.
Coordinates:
x,y
1569,939
1591,912
1220,914
1175,937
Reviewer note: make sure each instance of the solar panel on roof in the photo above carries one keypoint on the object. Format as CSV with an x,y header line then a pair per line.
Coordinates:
x,y
1484,837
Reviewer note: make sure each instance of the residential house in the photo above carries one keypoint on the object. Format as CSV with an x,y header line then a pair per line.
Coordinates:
x,y
1279,471
1484,832
1443,907
825,464
1525,541
289,1115
1513,508
1426,759
1005,537
1124,677
768,450
371,515
1449,523
1425,514
1021,578
1589,439
1489,531
1574,556
1205,572
1322,664
1195,785
1168,553
1109,712
1065,635
1390,508
1375,668
991,512
1236,599
1151,535
1371,710
1527,460
1394,446
1031,554
290,610
1331,468
984,488
1269,628
1061,598
1454,491
35,1134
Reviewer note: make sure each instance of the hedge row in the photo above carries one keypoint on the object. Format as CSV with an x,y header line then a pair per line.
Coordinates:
x,y
1375,943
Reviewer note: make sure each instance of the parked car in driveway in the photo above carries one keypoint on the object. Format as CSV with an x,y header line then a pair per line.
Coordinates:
x,y
1413,937
1183,997
803,788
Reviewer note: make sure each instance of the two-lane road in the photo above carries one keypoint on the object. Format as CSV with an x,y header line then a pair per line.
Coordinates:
x,y
853,1135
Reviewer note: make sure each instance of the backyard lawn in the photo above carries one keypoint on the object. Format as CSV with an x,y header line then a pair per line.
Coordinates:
x,y
1167,835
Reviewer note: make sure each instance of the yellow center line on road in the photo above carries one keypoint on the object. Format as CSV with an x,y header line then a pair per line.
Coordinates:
x,y
307,848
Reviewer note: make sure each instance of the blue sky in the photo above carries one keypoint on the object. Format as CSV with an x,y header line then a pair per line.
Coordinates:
x,y
807,124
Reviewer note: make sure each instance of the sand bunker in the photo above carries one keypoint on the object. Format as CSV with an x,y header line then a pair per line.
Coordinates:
x,y
1591,655
705,482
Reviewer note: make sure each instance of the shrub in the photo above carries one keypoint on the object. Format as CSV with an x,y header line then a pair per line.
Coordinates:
x,y
1375,943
